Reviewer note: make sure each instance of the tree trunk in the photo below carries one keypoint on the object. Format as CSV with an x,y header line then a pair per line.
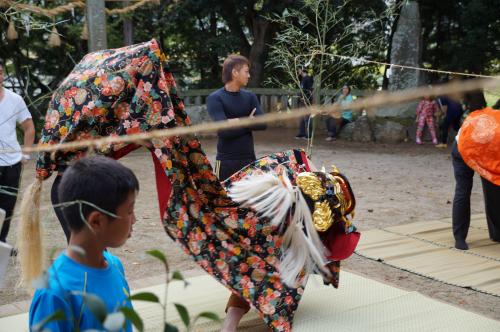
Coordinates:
x,y
385,82
96,23
128,28
260,29
215,70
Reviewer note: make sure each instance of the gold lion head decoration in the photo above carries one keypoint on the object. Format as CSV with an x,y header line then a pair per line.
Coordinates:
x,y
330,194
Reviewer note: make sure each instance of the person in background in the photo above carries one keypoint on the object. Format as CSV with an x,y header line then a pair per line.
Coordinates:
x,y
464,176
305,99
426,110
453,112
333,125
235,148
13,111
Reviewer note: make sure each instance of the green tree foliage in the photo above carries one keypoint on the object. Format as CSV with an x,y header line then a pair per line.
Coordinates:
x,y
198,35
315,34
33,68
461,35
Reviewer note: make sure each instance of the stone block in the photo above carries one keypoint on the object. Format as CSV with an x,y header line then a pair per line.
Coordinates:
x,y
390,132
362,130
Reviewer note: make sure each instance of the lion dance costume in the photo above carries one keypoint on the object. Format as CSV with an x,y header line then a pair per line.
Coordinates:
x,y
260,233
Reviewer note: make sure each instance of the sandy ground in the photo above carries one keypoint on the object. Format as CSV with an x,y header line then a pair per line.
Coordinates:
x,y
393,184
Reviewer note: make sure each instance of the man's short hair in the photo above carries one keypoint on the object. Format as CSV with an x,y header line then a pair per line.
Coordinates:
x,y
98,180
234,61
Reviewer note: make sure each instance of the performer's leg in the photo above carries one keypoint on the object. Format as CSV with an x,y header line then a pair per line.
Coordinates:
x,y
461,202
491,201
9,178
236,308
54,197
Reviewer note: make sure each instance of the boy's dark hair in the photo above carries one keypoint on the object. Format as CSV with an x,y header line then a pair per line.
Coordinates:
x,y
99,180
234,61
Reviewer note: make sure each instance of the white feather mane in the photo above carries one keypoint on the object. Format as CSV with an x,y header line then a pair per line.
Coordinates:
x,y
273,197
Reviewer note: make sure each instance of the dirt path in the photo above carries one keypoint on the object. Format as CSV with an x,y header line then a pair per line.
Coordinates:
x,y
393,184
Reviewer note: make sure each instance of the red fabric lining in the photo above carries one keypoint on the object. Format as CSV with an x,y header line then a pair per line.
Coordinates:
x,y
340,244
124,151
163,185
305,160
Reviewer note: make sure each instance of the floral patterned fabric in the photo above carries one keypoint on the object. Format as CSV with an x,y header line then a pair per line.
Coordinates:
x,y
109,93
341,238
130,90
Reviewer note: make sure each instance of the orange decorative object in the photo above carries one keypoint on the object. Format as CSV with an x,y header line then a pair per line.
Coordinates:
x,y
479,143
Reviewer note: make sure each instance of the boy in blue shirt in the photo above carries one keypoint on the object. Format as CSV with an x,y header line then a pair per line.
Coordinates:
x,y
86,267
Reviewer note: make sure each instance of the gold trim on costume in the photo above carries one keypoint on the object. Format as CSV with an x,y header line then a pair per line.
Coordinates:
x,y
322,216
310,185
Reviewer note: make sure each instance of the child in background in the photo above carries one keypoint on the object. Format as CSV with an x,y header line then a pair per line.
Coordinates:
x,y
425,114
111,189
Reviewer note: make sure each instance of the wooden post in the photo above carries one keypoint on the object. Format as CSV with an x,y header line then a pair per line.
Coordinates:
x,y
128,28
284,102
96,23
317,90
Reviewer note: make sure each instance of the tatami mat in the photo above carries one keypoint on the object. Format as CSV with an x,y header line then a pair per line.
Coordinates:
x,y
359,305
426,248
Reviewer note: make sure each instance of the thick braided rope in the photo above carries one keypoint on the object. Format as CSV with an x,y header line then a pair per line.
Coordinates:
x,y
368,103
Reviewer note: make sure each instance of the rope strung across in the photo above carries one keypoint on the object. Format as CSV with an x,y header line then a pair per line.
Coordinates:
x,y
70,6
392,65
368,103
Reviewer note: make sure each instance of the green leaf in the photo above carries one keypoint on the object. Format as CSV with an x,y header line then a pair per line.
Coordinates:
x,y
170,328
178,276
159,255
145,296
133,317
209,315
95,305
58,315
183,312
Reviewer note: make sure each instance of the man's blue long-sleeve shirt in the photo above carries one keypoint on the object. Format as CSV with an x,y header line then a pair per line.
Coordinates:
x,y
234,144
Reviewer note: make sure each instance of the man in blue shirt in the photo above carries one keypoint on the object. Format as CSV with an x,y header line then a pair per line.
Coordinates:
x,y
109,190
235,146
